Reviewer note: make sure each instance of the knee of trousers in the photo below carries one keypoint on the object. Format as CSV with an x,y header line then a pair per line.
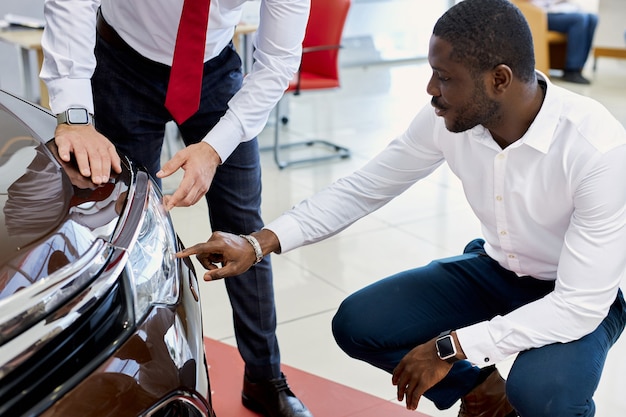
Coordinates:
x,y
344,327
547,398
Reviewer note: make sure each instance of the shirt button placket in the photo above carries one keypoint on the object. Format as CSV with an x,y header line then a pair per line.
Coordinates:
x,y
499,171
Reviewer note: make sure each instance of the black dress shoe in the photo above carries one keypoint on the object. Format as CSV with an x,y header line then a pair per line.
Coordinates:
x,y
574,77
272,398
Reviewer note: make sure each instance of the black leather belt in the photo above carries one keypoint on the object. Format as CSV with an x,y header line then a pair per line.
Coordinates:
x,y
109,34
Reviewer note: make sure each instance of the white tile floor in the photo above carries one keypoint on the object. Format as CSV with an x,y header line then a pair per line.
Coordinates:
x,y
431,220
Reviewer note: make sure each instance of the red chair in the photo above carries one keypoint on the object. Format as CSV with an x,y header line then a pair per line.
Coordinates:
x,y
319,69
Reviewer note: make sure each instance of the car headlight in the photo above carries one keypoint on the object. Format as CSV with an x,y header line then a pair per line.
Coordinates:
x,y
152,262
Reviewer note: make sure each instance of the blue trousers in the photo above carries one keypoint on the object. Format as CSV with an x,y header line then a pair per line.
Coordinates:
x,y
381,323
129,95
580,28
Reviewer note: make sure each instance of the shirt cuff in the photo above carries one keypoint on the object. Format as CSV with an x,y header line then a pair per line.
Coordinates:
x,y
225,136
70,92
478,345
288,231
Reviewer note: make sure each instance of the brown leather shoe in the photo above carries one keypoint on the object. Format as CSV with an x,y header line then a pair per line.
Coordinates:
x,y
488,399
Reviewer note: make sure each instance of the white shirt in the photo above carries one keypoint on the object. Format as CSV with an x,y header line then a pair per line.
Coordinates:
x,y
150,27
552,205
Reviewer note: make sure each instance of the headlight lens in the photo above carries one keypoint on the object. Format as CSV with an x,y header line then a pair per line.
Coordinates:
x,y
152,262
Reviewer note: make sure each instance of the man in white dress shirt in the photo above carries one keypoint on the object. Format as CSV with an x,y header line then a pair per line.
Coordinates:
x,y
112,60
543,170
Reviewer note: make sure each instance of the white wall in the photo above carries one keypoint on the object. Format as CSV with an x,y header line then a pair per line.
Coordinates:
x,y
611,24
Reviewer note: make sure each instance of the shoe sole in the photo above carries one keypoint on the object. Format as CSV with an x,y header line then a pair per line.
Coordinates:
x,y
253,405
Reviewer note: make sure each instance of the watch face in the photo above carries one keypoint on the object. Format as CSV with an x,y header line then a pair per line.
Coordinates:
x,y
77,116
445,347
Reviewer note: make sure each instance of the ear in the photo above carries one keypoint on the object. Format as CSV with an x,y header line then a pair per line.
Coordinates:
x,y
501,78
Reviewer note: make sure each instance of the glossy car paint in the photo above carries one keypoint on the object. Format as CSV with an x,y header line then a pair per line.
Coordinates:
x,y
72,340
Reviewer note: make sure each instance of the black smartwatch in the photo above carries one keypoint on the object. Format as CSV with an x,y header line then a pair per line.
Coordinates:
x,y
446,349
75,116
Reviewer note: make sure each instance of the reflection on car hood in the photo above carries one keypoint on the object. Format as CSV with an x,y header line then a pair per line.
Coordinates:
x,y
51,215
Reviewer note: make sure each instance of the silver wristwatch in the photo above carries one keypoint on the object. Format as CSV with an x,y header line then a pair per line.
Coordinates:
x,y
75,116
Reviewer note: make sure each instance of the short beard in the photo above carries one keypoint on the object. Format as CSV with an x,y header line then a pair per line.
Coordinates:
x,y
480,110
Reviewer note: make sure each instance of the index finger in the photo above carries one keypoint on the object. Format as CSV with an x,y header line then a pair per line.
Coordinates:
x,y
402,384
174,200
64,149
174,164
193,250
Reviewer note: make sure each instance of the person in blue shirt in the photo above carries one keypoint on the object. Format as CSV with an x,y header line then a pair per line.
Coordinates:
x,y
579,26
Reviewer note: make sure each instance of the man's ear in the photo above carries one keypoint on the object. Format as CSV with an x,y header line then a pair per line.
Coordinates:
x,y
502,77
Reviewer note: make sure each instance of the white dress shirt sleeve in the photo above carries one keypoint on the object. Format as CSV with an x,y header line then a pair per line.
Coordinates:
x,y
278,49
68,42
590,269
407,159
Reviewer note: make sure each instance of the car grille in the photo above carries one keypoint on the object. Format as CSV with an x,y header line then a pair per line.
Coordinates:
x,y
76,351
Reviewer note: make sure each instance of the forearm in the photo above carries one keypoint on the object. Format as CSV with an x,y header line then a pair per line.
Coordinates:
x,y
68,43
277,54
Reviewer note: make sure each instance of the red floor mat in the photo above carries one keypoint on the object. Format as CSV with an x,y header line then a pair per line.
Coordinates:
x,y
323,397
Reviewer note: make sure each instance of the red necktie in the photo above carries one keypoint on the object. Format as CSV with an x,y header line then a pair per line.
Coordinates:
x,y
185,85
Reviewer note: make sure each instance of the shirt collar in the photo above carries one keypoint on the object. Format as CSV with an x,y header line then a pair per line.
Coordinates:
x,y
540,134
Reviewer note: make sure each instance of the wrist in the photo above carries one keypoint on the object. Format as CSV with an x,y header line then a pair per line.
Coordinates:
x,y
268,241
258,253
75,116
459,349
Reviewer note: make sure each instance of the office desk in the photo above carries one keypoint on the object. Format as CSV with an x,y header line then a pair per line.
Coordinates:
x,y
27,40
607,51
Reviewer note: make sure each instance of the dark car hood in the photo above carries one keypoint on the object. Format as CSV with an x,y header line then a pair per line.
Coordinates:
x,y
51,215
